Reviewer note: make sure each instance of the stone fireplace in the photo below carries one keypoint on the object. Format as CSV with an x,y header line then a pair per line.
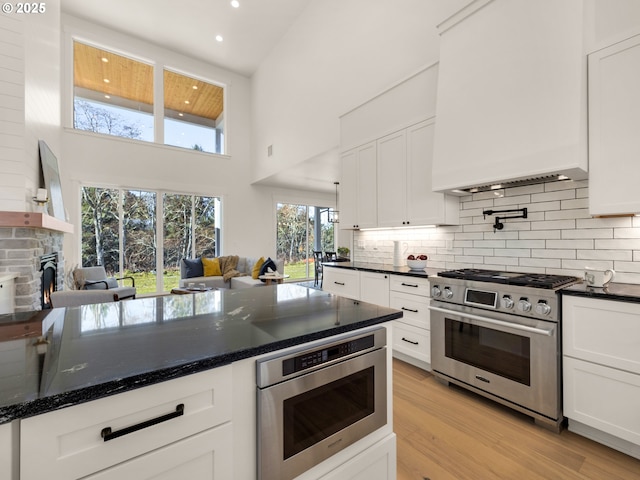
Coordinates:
x,y
21,251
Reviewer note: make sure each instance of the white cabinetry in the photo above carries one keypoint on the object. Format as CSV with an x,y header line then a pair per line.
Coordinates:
x,y
411,333
374,288
8,452
7,293
614,123
193,442
375,463
358,201
341,281
404,181
601,367
511,101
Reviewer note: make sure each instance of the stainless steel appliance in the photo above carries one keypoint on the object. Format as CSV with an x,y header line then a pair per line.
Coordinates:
x,y
314,402
497,333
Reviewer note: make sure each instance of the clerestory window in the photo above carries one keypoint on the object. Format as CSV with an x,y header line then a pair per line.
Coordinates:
x,y
114,95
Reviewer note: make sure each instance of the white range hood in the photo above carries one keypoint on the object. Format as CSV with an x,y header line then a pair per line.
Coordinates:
x,y
512,95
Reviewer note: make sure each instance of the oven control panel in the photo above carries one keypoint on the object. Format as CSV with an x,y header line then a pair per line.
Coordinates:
x,y
524,301
314,358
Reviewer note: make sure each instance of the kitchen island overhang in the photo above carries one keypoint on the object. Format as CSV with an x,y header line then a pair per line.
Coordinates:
x,y
94,351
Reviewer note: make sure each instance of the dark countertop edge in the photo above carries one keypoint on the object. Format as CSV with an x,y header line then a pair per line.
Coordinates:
x,y
621,292
383,269
54,402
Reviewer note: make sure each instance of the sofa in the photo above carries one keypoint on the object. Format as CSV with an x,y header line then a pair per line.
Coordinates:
x,y
245,265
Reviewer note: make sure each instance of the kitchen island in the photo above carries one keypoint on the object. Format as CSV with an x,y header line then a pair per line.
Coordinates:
x,y
86,359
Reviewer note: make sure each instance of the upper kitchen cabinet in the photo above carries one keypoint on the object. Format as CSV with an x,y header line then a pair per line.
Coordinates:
x,y
358,201
614,123
512,94
397,126
404,178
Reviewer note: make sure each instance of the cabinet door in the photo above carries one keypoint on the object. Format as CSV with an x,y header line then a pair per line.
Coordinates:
x,y
349,190
367,203
376,463
7,289
603,398
413,342
614,123
341,281
374,288
206,456
392,180
7,452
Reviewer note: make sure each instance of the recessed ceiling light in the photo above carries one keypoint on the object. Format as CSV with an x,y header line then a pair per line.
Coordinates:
x,y
181,114
219,38
106,80
107,96
105,59
187,102
235,3
195,87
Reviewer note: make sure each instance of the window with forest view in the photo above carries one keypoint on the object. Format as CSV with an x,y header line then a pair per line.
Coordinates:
x,y
140,233
301,229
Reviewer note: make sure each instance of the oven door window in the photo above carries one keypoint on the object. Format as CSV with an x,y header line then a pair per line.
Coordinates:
x,y
501,353
317,414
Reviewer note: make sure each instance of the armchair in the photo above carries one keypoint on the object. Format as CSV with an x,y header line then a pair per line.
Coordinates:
x,y
95,278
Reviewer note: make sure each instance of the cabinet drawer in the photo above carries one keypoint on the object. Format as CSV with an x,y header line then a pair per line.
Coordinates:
x,y
412,285
602,331
341,281
69,443
412,341
6,296
603,398
415,308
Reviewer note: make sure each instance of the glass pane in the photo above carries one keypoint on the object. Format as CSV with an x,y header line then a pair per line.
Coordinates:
x,y
112,94
292,245
100,228
139,250
327,231
178,238
206,228
194,113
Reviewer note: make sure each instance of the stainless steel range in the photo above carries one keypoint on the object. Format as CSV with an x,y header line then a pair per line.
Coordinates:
x,y
497,333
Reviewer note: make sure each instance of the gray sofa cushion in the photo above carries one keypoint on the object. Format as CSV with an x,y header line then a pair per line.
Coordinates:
x,y
191,267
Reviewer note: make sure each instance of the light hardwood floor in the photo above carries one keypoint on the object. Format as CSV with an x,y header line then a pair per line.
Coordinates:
x,y
447,433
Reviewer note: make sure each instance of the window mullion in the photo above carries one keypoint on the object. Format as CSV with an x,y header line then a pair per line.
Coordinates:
x,y
158,104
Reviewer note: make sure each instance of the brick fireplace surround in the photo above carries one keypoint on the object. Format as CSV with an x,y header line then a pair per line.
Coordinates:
x,y
24,238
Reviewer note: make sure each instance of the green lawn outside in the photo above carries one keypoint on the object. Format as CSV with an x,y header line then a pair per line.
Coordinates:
x,y
298,270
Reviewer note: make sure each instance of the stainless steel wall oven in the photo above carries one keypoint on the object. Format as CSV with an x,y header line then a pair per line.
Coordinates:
x,y
314,402
497,333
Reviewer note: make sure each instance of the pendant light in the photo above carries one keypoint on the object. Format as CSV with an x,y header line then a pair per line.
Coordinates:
x,y
334,214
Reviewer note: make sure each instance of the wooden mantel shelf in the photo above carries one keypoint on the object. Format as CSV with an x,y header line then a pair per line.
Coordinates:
x,y
34,220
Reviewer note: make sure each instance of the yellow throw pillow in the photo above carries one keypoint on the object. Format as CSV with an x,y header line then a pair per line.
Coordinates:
x,y
256,268
211,267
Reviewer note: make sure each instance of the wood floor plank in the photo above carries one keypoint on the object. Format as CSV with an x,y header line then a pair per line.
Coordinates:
x,y
448,433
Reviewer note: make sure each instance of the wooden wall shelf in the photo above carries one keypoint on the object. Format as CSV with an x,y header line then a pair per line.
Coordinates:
x,y
34,220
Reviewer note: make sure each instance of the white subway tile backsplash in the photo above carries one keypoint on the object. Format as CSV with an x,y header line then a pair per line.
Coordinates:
x,y
549,196
558,237
625,255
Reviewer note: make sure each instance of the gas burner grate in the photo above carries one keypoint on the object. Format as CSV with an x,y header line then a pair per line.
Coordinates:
x,y
537,280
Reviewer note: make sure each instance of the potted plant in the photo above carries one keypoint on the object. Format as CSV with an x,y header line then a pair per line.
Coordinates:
x,y
343,252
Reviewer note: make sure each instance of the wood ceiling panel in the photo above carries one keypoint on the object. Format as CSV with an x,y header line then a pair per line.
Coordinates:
x,y
133,80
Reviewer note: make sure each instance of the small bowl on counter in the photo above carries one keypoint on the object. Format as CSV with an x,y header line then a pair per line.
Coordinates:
x,y
417,264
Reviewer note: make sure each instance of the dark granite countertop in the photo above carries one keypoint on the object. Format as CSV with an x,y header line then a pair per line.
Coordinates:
x,y
624,292
65,356
382,268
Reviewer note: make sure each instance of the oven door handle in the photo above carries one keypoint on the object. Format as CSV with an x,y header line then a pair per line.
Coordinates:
x,y
525,328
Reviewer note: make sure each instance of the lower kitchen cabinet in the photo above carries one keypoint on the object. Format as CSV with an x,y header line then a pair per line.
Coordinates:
x,y
341,281
374,288
601,370
76,442
7,293
411,333
376,463
8,452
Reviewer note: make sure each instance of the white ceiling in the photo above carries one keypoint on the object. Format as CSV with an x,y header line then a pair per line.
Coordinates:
x,y
190,26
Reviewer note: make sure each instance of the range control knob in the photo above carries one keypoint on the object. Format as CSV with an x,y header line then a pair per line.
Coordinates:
x,y
435,291
448,293
507,302
524,305
543,308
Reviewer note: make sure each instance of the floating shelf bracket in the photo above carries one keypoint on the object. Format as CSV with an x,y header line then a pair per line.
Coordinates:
x,y
498,225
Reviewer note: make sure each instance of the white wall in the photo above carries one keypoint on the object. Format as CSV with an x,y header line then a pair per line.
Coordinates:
x,y
558,237
337,55
29,101
248,221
